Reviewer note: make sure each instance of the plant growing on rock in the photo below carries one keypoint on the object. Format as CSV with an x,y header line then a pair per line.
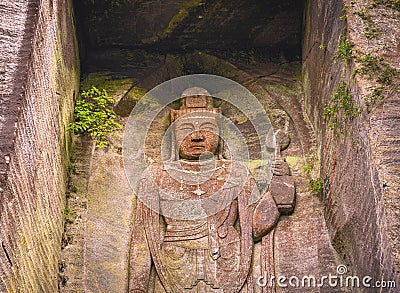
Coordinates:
x,y
93,116
376,69
344,48
340,109
370,28
395,4
316,185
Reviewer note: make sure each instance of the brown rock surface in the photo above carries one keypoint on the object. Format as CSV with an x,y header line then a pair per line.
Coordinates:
x,y
188,25
39,79
360,168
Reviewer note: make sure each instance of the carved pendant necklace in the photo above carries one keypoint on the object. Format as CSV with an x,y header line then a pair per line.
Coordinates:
x,y
198,191
181,170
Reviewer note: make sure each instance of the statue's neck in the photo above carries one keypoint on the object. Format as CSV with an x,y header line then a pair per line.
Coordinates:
x,y
202,166
197,165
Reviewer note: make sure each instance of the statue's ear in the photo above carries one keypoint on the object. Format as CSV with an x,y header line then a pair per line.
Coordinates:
x,y
173,114
174,151
282,139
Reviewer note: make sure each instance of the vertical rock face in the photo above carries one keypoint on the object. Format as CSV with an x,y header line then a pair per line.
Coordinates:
x,y
39,78
194,24
360,189
223,26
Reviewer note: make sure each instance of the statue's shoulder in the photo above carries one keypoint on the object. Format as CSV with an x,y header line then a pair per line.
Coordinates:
x,y
152,173
236,168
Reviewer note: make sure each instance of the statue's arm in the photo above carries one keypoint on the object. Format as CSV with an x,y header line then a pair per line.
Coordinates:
x,y
140,257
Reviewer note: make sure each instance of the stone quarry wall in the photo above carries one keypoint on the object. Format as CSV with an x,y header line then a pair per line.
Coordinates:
x,y
360,167
109,31
39,78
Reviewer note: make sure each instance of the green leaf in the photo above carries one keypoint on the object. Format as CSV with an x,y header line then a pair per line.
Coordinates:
x,y
93,116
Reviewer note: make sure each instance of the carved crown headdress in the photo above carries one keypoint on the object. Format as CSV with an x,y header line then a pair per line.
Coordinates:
x,y
195,99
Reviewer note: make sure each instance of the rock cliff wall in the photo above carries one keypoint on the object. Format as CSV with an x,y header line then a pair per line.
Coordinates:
x,y
39,78
351,54
227,28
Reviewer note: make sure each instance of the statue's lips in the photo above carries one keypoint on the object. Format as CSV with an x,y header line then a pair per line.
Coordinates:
x,y
198,147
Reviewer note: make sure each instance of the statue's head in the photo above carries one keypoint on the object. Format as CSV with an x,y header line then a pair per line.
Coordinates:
x,y
196,125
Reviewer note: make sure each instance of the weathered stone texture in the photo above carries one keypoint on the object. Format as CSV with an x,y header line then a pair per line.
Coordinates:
x,y
72,269
108,226
359,168
272,27
39,80
17,18
192,24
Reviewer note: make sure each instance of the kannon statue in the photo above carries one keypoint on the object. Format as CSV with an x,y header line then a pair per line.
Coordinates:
x,y
198,214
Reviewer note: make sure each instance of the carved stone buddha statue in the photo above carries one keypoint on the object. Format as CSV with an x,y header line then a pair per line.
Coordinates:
x,y
203,212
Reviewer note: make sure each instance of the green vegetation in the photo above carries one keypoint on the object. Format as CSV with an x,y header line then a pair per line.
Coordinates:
x,y
182,14
93,116
317,185
308,168
370,29
344,48
69,218
395,4
343,17
314,185
369,65
375,68
386,74
375,96
71,168
340,109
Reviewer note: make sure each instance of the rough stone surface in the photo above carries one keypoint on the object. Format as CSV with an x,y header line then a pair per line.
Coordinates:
x,y
108,225
72,267
188,25
359,168
39,78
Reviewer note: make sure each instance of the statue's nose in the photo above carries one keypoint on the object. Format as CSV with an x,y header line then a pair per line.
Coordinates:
x,y
197,136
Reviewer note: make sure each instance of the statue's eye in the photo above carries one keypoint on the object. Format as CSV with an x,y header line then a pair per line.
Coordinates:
x,y
209,127
185,127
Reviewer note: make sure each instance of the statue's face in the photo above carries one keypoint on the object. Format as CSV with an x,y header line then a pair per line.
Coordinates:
x,y
196,135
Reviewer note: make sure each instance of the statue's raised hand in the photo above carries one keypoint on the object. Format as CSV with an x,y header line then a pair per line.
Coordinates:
x,y
280,167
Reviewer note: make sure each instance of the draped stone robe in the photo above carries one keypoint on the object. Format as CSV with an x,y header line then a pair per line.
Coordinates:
x,y
208,252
